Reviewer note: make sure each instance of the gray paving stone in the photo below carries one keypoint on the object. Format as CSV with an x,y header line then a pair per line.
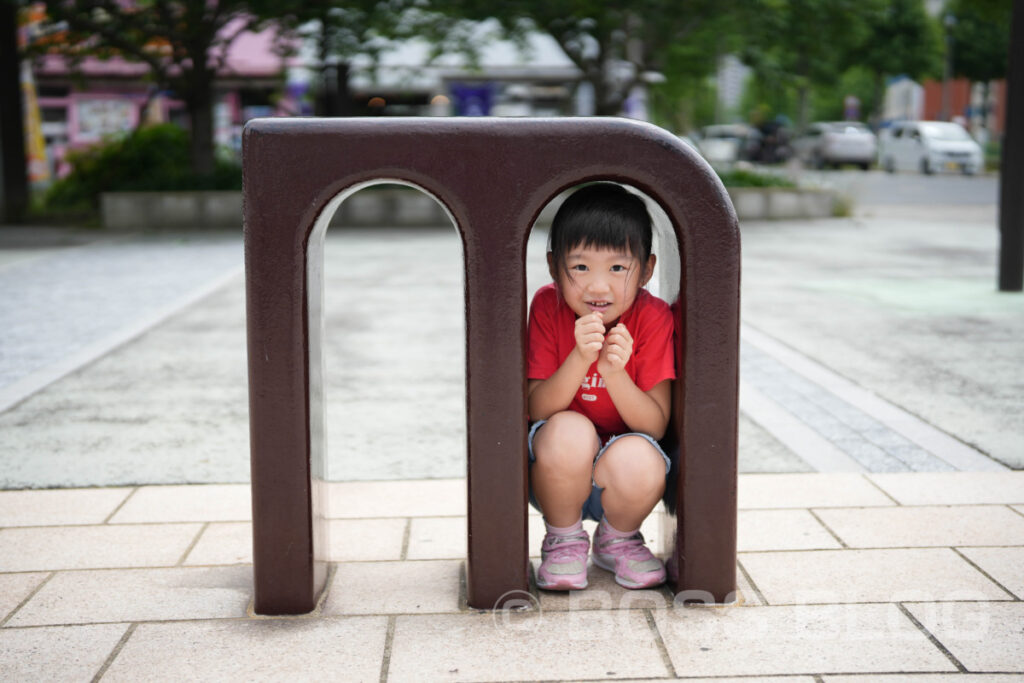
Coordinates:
x,y
86,547
519,646
123,595
57,653
71,506
867,576
16,587
984,637
351,649
806,639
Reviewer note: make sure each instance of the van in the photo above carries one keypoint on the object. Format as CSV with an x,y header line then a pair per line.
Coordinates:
x,y
929,147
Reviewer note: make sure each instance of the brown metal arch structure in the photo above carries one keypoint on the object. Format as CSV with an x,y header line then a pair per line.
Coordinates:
x,y
494,176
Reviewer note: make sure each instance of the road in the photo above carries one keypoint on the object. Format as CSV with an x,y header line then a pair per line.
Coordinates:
x,y
878,188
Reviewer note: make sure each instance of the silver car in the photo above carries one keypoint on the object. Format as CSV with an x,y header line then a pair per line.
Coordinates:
x,y
833,143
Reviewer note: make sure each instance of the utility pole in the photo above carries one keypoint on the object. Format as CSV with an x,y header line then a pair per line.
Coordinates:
x,y
1011,177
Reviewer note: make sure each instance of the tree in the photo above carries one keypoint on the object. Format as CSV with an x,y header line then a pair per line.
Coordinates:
x,y
341,31
616,46
979,34
183,42
899,39
802,44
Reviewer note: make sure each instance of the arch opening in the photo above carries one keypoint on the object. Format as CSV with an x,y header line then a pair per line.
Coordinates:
x,y
387,336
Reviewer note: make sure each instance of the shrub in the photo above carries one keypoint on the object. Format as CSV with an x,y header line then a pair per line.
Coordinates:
x,y
745,178
153,158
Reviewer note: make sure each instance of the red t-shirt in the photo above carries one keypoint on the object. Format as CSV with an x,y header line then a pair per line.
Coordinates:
x,y
552,338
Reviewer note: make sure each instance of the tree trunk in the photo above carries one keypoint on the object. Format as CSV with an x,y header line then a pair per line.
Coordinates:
x,y
14,176
200,115
878,108
803,107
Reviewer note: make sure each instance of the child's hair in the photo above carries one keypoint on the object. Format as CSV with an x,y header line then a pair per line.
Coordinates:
x,y
601,215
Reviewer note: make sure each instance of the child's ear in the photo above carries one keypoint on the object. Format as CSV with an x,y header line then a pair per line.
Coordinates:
x,y
551,266
648,270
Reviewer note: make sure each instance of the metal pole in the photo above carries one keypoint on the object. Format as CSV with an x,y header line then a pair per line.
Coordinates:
x,y
1011,188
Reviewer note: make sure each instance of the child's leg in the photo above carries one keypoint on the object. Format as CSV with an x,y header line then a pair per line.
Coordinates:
x,y
564,448
632,473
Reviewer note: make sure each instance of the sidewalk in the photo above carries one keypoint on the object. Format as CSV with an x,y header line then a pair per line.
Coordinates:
x,y
881,531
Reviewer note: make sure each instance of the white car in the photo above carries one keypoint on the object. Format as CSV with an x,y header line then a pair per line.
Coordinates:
x,y
833,143
929,147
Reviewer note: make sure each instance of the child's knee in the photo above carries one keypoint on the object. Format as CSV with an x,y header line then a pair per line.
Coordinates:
x,y
633,467
567,439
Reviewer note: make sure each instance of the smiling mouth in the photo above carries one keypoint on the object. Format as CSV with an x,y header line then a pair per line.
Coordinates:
x,y
597,305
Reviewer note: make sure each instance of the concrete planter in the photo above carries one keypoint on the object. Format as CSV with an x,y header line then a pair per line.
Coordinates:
x,y
767,203
399,207
171,210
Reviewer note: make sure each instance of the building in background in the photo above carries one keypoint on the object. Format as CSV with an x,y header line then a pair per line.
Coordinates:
x,y
103,97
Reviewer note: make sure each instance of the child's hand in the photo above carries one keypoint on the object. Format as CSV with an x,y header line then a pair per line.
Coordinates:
x,y
618,347
589,336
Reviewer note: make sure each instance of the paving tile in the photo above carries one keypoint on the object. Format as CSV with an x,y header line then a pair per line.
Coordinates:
x,y
748,595
802,639
982,636
841,576
58,653
59,506
925,678
84,597
16,587
222,543
908,527
505,646
437,538
953,488
808,490
256,649
782,530
1005,565
744,679
187,503
420,498
94,547
395,587
350,541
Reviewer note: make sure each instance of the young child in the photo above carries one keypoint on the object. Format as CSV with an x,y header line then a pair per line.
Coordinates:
x,y
599,372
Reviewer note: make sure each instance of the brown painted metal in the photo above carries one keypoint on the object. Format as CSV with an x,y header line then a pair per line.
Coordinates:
x,y
494,176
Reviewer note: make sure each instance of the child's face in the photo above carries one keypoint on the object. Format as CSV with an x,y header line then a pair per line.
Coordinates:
x,y
600,280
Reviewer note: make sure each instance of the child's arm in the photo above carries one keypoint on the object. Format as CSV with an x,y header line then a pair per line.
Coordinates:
x,y
642,411
554,394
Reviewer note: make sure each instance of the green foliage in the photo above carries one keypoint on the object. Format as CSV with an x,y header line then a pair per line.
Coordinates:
x,y
827,103
799,47
615,44
155,158
981,38
744,178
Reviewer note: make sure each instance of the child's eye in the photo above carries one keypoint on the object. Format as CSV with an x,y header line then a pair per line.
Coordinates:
x,y
579,267
619,269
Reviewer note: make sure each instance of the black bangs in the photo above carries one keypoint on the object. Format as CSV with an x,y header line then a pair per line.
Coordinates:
x,y
603,216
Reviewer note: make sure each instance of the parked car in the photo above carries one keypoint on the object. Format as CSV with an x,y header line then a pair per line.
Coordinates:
x,y
929,147
729,143
833,143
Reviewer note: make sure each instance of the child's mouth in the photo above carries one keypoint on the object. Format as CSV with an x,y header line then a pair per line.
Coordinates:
x,y
597,305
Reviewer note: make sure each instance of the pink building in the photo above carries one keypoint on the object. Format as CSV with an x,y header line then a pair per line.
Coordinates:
x,y
110,96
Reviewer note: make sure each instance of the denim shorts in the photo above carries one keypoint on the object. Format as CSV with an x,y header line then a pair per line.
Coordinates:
x,y
592,505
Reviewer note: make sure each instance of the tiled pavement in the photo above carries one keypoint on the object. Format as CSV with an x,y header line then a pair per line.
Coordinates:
x,y
843,577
